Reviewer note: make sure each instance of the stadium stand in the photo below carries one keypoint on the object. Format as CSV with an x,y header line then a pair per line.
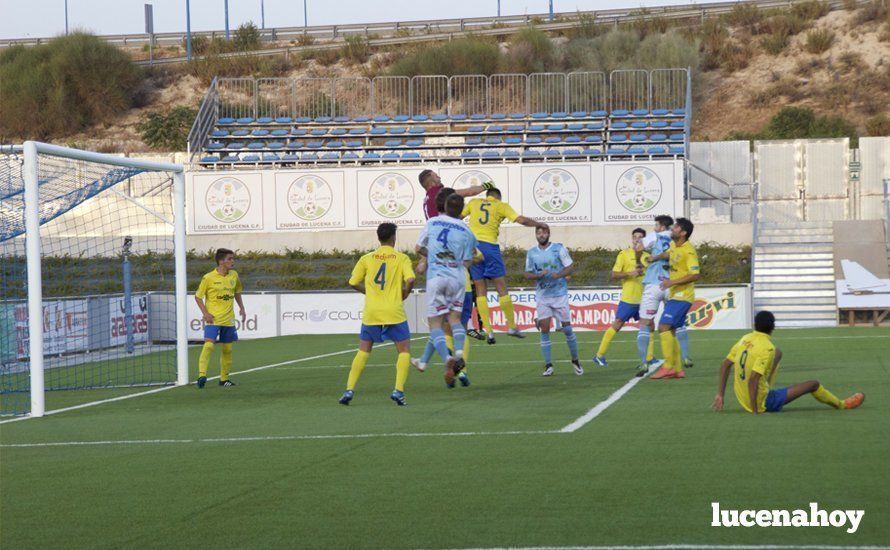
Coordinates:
x,y
465,118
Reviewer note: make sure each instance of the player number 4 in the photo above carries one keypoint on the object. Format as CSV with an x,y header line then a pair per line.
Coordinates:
x,y
380,278
443,238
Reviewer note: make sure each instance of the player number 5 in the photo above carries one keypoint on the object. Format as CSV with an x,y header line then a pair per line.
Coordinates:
x,y
484,207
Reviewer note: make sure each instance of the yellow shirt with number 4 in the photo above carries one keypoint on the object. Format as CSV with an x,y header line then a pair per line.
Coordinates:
x,y
384,273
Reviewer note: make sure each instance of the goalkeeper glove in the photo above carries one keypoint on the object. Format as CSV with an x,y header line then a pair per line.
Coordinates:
x,y
488,185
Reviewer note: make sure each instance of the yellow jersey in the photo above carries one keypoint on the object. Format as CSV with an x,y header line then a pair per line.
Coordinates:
x,y
683,261
631,287
384,272
486,216
218,292
469,286
755,352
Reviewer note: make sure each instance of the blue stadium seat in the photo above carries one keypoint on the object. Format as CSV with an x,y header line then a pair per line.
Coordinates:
x,y
579,114
353,143
636,151
494,128
475,129
370,156
618,137
513,140
414,142
314,144
280,132
491,154
473,141
298,132
659,124
591,152
510,154
556,127
241,133
361,119
594,126
215,146
659,112
597,114
357,131
416,130
250,158
338,131
318,131
226,120
391,156
334,144
264,120
676,150
657,137
493,141
219,133
401,118
618,125
531,153
245,120
558,114
593,139
411,155
616,151
620,112
536,127
638,137
349,156
270,157
676,137
393,143
679,112
230,158
397,130
516,116
439,117
469,155
532,140
381,118
572,153
516,128
540,115
260,133
575,126
283,120
275,145
330,156
209,160
256,145
309,157
552,139
573,139
290,157
294,146
420,118
639,125
552,153
498,116
640,112
302,120
341,119
236,145
657,150
322,119
459,116
377,131
478,116
678,124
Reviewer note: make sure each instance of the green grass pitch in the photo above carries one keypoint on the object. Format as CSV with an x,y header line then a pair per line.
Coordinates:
x,y
239,467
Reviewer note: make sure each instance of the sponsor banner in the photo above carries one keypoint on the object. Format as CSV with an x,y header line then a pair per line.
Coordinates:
x,y
635,192
313,200
594,309
118,321
388,196
65,327
227,202
331,313
261,317
557,194
467,176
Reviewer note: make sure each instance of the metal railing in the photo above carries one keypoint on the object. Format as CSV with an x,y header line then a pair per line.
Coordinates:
x,y
729,199
208,113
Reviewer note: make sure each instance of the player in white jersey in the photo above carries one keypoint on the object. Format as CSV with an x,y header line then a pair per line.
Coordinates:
x,y
654,243
548,264
448,245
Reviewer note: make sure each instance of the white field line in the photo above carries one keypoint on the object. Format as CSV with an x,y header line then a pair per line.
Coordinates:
x,y
165,388
471,364
605,404
694,547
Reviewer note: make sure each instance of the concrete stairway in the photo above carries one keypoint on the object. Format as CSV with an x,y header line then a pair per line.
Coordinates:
x,y
794,274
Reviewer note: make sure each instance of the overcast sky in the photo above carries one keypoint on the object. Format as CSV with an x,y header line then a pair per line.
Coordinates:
x,y
39,18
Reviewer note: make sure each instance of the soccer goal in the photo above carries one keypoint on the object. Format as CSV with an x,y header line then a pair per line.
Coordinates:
x,y
93,284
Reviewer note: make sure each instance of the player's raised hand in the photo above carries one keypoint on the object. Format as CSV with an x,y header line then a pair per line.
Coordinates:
x,y
717,405
487,185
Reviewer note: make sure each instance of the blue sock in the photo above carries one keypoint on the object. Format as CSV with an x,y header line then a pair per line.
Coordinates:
x,y
545,346
683,338
459,333
643,342
572,341
437,337
428,351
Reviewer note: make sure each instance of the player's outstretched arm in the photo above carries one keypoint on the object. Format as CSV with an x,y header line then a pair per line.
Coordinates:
x,y
528,222
721,385
691,278
474,189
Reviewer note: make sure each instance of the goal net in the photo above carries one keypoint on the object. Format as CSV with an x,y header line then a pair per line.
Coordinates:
x,y
93,274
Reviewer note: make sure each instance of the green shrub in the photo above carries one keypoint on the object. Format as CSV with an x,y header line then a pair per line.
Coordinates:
x,y
167,132
810,10
65,86
744,15
468,55
819,40
356,49
247,37
530,51
622,49
587,27
775,43
326,57
878,125
802,123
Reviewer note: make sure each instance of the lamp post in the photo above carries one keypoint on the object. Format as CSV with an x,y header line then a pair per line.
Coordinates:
x,y
227,18
188,31
66,17
262,14
551,11
305,16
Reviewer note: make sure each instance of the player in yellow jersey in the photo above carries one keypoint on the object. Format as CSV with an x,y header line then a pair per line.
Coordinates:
x,y
756,360
630,273
386,278
684,271
215,297
485,218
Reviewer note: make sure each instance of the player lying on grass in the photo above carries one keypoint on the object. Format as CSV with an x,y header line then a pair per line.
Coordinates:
x,y
466,312
485,218
448,245
215,297
755,361
386,278
629,271
548,264
685,270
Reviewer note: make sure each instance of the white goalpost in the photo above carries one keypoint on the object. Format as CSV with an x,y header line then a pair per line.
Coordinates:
x,y
93,285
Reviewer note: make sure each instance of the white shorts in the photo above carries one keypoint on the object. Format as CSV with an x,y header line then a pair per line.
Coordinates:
x,y
444,294
556,307
653,295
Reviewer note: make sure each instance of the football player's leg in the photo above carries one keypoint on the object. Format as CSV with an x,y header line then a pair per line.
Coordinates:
x,y
683,339
644,339
204,359
482,304
358,362
505,302
544,327
225,361
571,340
607,338
403,364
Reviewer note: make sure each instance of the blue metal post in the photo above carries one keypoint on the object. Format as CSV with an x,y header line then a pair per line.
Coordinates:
x,y
305,15
188,31
66,17
227,19
551,10
262,14
499,8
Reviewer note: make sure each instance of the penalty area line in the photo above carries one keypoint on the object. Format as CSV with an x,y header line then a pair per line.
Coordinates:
x,y
605,404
